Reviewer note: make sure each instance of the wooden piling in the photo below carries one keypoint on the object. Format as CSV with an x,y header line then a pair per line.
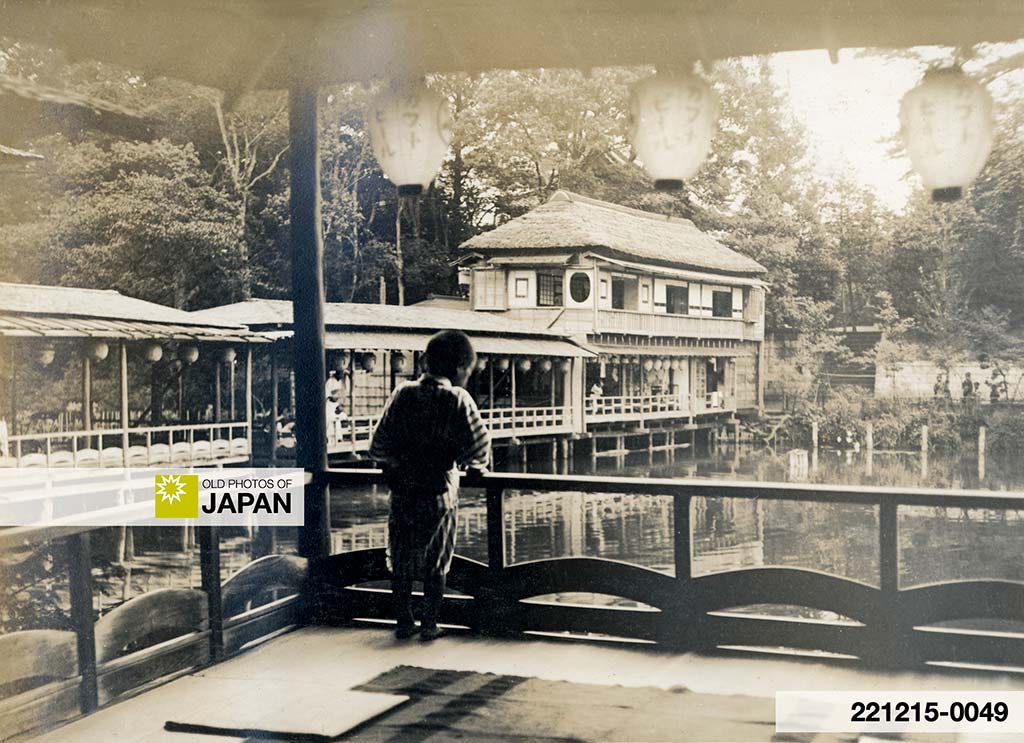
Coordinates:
x,y
981,453
814,436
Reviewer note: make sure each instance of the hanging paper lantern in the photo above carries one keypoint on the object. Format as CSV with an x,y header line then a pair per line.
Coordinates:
x,y
410,130
97,350
188,354
658,363
153,352
368,361
948,128
524,365
672,120
398,362
228,355
648,364
545,365
344,360
481,363
502,364
565,366
46,354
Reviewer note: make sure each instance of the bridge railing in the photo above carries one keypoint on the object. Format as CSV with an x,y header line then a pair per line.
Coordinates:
x,y
876,622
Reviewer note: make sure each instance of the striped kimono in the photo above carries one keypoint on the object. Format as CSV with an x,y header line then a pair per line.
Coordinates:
x,y
428,430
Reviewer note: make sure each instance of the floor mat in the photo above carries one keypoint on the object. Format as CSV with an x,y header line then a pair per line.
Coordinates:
x,y
468,706
276,710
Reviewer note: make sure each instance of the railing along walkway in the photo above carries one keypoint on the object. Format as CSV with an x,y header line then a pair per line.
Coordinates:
x,y
882,625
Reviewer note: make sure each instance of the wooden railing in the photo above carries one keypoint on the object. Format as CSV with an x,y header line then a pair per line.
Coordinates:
x,y
643,407
505,422
147,446
649,323
51,675
882,625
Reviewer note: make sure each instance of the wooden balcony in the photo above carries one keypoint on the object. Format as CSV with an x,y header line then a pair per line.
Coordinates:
x,y
682,326
654,407
174,445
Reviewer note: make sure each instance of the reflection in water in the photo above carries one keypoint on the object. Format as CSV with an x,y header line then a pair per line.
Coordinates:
x,y
728,533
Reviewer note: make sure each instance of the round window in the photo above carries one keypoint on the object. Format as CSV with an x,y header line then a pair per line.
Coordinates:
x,y
579,287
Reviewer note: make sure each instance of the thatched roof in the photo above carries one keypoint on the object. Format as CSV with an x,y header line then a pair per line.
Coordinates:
x,y
571,221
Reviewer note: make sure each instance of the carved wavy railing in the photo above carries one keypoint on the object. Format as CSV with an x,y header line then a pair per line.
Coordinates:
x,y
883,626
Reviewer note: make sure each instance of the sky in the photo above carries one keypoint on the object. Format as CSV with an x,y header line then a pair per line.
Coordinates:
x,y
849,111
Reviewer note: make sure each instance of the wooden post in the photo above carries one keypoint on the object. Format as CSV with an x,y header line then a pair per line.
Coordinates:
x,y
736,433
681,549
209,571
886,642
924,440
275,405
80,588
231,390
870,443
125,422
512,371
248,397
309,362
981,453
217,411
14,389
814,435
86,392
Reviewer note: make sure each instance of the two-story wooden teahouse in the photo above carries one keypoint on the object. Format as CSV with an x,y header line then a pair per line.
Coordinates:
x,y
676,317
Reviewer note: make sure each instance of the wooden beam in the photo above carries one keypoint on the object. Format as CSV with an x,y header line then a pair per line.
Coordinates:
x,y
80,588
309,363
123,389
275,405
248,397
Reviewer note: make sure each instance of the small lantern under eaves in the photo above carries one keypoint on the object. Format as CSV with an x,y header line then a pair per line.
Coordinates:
x,y
97,350
672,120
948,128
188,354
368,361
398,362
410,130
46,354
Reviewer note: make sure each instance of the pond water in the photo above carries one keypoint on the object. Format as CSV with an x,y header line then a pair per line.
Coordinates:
x,y
936,544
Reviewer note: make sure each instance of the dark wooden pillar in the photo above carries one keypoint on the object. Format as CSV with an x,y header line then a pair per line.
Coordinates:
x,y
308,362
80,588
13,429
86,391
275,405
218,415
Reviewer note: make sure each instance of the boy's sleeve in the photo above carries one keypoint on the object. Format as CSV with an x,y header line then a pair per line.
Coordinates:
x,y
474,440
381,446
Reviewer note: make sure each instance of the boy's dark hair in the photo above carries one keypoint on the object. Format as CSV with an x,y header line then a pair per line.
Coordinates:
x,y
447,351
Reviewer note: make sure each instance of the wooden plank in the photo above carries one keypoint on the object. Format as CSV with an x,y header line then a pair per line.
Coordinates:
x,y
131,673
276,709
150,619
775,631
40,708
261,622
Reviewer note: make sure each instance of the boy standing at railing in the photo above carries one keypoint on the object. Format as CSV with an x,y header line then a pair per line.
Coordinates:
x,y
429,428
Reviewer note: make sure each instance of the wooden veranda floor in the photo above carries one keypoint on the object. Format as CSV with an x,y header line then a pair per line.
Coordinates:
x,y
346,657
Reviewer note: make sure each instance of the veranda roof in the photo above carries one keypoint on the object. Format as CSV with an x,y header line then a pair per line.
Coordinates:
x,y
239,45
356,326
574,222
30,310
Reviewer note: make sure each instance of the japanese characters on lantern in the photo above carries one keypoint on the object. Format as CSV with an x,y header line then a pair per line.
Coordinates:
x,y
673,119
410,130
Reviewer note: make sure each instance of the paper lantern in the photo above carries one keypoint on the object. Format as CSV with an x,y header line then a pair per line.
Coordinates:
x,y
228,355
46,354
188,354
410,130
565,366
153,352
672,120
545,365
648,364
368,361
502,364
97,350
948,127
524,365
398,362
481,363
344,360
658,363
